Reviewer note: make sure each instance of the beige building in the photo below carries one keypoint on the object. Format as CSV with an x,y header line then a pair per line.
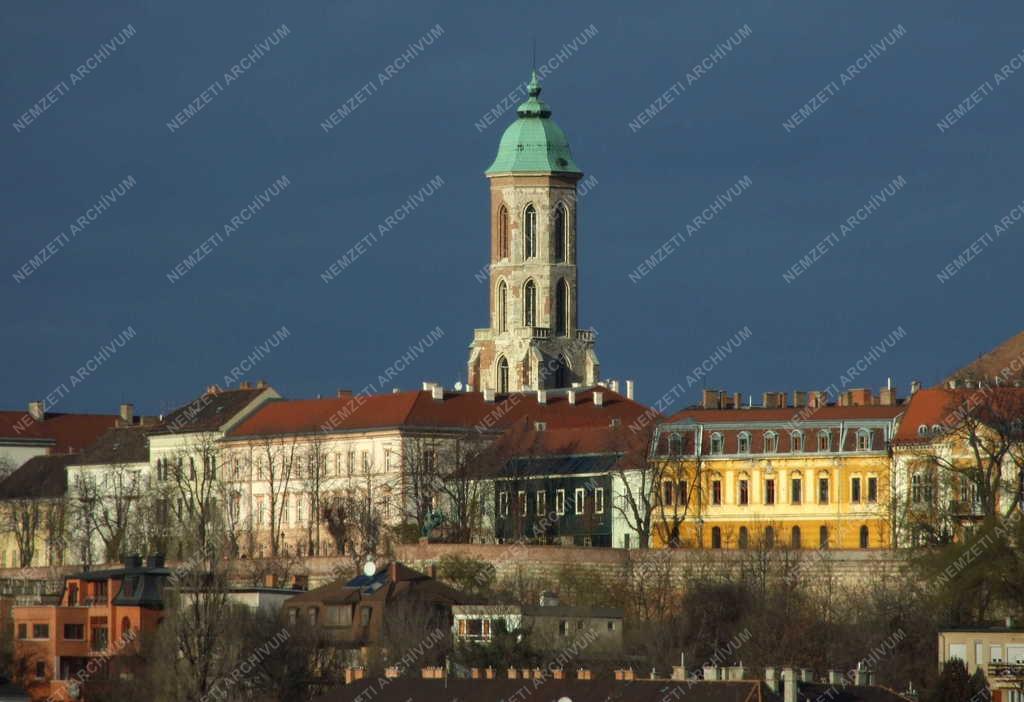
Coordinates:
x,y
998,651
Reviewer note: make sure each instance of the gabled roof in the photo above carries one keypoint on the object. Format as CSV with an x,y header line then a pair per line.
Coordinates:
x,y
39,477
419,410
208,412
61,432
120,445
1004,362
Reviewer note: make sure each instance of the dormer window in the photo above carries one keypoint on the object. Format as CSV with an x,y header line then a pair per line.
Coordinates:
x,y
796,442
743,442
824,441
771,442
863,440
717,445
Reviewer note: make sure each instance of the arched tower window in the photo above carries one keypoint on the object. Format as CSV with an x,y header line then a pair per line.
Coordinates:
x,y
502,232
502,307
530,232
561,308
561,233
530,304
502,374
562,373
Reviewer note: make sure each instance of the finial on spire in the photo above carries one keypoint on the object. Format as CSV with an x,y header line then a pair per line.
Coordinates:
x,y
533,87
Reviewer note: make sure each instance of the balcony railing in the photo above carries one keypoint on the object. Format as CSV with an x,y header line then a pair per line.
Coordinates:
x,y
1006,670
587,335
541,332
966,508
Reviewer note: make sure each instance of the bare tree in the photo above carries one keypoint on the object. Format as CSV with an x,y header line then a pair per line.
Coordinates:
x,y
678,490
84,503
192,476
463,492
120,491
24,516
639,475
421,479
317,481
277,466
355,517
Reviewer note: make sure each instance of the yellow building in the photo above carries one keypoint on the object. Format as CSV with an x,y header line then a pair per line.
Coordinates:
x,y
804,474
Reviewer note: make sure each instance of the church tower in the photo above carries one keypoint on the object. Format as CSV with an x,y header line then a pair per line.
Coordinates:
x,y
534,340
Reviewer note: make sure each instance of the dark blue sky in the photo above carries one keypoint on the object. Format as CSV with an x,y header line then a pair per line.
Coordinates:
x,y
420,123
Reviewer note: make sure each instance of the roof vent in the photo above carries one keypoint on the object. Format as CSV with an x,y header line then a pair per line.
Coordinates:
x,y
437,392
629,389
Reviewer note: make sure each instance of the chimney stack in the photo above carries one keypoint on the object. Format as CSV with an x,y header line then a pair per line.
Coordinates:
x,y
261,384
542,397
488,394
788,685
613,385
36,410
244,385
598,398
799,398
342,394
127,411
771,679
629,389
571,395
710,399
915,385
437,392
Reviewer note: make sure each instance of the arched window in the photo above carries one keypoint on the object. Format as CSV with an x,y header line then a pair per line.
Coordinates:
x,y
824,440
529,304
794,537
936,429
675,445
771,442
823,537
562,308
743,442
769,537
562,373
502,232
502,307
796,442
922,430
744,540
530,232
864,536
561,233
502,374
716,537
716,444
863,440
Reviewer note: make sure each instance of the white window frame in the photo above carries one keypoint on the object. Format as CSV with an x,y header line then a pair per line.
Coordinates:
x,y
560,501
580,501
541,502
599,500
740,439
503,503
717,444
521,496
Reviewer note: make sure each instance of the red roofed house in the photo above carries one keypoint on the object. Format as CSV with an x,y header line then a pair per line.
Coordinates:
x,y
38,432
388,452
943,485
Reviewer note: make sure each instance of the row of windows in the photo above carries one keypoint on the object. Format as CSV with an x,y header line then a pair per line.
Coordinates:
x,y
562,312
770,442
561,236
330,465
560,376
768,538
576,505
678,493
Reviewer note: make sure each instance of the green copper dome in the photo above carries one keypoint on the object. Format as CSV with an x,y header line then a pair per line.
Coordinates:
x,y
533,143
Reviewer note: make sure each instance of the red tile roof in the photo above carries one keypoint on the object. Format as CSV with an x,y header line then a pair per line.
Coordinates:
x,y
787,414
209,411
940,407
418,409
67,432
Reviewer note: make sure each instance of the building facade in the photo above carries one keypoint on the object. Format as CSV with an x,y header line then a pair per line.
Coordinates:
x,y
996,651
801,475
534,340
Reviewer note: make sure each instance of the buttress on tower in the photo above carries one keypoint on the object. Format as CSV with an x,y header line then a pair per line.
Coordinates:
x,y
534,340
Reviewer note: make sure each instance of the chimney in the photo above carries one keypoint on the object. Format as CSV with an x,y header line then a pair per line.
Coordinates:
x,y
244,385
835,677
773,400
799,398
861,397
261,384
432,571
737,400
630,386
861,676
342,394
488,394
598,398
542,397
212,389
771,679
788,685
395,391
887,396
710,399
36,411
437,392
571,395
710,672
127,411
806,675
613,385
915,385
427,385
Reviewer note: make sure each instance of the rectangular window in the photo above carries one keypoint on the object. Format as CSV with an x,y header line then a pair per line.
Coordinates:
x,y
996,654
339,615
560,502
684,495
503,504
351,460
744,492
872,489
716,492
580,501
387,459
666,493
74,632
366,460
312,613
769,492
855,490
364,615
563,627
23,631
40,631
599,501
795,494
522,502
542,502
40,669
822,491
